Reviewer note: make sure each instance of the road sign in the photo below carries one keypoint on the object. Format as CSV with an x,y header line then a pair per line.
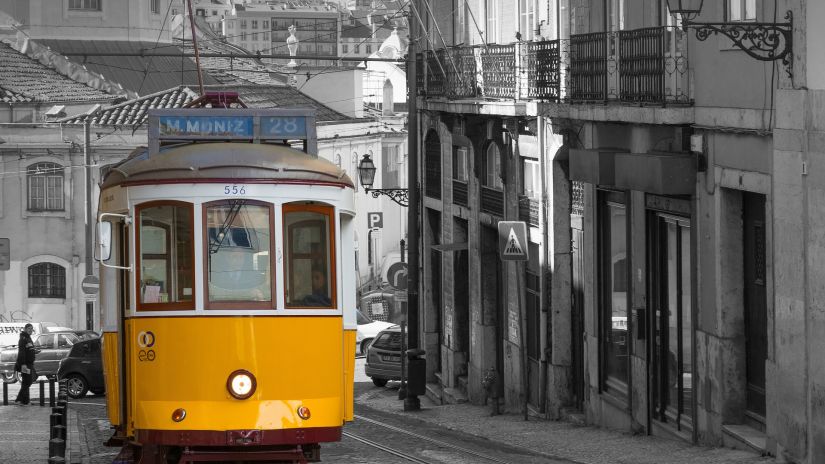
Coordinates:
x,y
90,285
375,220
512,239
5,254
397,276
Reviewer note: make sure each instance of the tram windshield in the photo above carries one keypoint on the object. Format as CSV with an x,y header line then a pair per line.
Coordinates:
x,y
166,271
309,256
239,249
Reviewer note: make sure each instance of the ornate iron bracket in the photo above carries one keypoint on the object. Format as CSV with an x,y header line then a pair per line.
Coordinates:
x,y
763,41
400,196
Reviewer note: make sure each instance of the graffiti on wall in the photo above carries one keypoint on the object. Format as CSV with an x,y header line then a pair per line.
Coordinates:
x,y
15,316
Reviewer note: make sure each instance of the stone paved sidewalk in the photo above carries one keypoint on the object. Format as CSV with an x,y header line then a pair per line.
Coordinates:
x,y
560,439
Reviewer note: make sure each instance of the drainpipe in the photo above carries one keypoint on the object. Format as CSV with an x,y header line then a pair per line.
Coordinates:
x,y
543,262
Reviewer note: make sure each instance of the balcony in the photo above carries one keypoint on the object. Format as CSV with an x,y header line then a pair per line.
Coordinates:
x,y
645,66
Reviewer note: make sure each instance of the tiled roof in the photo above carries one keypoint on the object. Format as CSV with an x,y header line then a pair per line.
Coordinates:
x,y
134,112
164,72
23,79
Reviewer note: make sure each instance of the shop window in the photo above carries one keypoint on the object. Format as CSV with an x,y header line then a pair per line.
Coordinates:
x,y
309,249
238,255
47,280
165,276
45,187
613,290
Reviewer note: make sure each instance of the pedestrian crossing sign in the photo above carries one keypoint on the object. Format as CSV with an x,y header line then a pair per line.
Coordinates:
x,y
512,240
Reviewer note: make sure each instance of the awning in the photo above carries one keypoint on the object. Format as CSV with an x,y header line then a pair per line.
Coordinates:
x,y
659,173
593,166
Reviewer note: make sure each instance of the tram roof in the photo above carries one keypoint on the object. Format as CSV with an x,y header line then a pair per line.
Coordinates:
x,y
223,161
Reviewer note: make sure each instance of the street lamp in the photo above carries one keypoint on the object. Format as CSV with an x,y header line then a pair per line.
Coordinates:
x,y
763,41
366,172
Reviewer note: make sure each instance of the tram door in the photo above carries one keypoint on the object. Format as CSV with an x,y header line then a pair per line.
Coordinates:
x,y
124,281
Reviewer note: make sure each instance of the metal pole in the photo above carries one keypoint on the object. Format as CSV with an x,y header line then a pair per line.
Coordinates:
x,y
402,391
87,170
195,45
411,402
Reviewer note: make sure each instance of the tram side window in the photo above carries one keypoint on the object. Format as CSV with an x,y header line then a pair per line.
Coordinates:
x,y
166,275
238,255
310,249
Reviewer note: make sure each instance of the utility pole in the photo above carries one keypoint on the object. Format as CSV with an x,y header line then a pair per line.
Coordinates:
x,y
414,382
87,169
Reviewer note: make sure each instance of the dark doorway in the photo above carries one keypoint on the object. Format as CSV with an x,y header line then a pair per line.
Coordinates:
x,y
461,300
756,338
438,307
671,319
577,319
491,297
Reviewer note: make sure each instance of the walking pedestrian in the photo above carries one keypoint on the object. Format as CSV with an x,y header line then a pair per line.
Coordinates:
x,y
25,364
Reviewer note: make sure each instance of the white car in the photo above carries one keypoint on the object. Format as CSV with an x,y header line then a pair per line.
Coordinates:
x,y
367,330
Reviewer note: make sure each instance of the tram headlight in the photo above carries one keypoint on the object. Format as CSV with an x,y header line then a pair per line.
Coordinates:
x,y
241,384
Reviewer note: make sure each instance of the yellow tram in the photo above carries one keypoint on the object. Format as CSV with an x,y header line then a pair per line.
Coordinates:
x,y
227,284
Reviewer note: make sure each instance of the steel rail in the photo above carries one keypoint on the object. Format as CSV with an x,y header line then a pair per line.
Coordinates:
x,y
387,449
431,440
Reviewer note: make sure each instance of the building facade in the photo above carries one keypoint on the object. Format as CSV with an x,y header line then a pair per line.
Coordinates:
x,y
668,184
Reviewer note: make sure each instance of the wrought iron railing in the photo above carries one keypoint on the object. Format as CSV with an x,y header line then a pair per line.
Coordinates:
x,y
528,210
498,71
421,74
492,201
460,193
588,67
640,66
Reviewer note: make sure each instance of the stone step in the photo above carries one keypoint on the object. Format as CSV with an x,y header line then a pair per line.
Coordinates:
x,y
745,438
434,393
454,396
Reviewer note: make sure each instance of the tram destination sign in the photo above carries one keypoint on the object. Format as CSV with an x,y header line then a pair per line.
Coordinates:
x,y
248,124
205,126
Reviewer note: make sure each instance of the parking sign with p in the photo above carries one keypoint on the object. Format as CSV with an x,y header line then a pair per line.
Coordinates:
x,y
375,220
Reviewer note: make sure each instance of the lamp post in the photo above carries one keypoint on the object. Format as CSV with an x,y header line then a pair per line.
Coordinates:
x,y
366,173
763,41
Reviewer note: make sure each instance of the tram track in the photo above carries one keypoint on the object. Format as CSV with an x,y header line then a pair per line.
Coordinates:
x,y
410,457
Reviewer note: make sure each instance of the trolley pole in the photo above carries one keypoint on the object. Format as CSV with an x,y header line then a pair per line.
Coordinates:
x,y
411,401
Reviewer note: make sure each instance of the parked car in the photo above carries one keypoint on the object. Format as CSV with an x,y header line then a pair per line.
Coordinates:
x,y
83,369
86,334
51,348
367,330
383,361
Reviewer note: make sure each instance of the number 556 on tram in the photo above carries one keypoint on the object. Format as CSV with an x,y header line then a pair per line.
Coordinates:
x,y
227,289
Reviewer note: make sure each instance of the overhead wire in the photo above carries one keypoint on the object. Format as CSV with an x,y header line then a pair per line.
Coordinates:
x,y
149,64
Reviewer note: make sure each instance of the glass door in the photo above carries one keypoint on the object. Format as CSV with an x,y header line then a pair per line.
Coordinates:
x,y
672,321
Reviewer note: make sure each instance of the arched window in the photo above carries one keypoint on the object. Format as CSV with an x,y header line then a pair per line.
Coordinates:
x,y
45,187
47,280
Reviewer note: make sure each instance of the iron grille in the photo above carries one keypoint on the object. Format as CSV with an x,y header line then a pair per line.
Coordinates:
x,y
460,67
436,75
460,193
588,67
47,280
528,210
641,65
492,201
577,198
420,75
